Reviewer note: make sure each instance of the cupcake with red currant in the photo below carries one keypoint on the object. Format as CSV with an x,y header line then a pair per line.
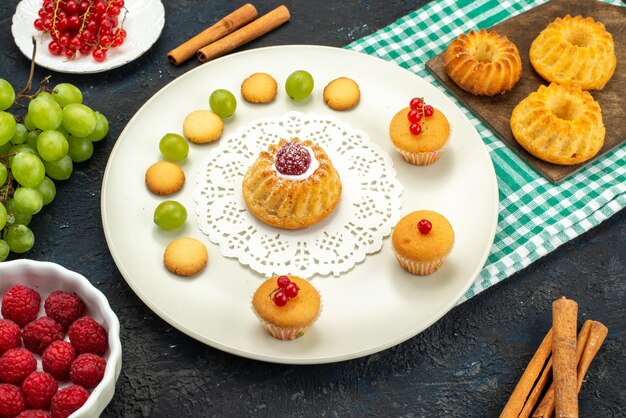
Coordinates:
x,y
422,240
286,306
419,132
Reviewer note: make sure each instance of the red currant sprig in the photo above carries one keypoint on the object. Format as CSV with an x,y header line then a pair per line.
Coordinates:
x,y
286,290
85,26
419,110
424,226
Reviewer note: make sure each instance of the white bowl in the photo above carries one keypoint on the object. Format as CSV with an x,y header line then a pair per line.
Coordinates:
x,y
47,277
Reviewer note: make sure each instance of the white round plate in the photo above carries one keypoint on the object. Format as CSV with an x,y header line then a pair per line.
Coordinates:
x,y
144,22
372,307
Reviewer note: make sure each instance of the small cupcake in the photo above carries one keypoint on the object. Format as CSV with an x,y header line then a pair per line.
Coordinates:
x,y
421,241
419,132
286,306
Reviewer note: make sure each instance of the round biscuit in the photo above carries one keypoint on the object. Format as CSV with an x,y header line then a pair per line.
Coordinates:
x,y
342,93
202,126
185,256
259,88
164,178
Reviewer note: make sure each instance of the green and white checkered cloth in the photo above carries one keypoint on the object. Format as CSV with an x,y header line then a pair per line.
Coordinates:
x,y
535,216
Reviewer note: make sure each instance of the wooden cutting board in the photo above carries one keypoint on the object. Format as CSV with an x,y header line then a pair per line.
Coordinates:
x,y
522,29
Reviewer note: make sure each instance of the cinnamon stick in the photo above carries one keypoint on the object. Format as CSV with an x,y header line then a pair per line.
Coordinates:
x,y
526,383
223,27
246,34
564,324
590,338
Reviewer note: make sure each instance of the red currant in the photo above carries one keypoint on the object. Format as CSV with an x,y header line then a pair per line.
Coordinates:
x,y
121,32
85,49
70,53
47,24
76,42
49,7
63,23
55,48
114,10
39,24
99,54
291,290
428,111
64,41
424,226
82,7
118,40
417,103
280,298
74,22
42,13
71,6
118,3
283,281
105,40
100,8
415,116
87,36
415,129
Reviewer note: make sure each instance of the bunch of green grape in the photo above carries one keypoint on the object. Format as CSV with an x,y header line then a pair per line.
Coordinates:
x,y
36,148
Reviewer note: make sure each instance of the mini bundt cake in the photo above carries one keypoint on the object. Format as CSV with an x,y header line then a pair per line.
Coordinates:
x,y
574,50
483,63
560,124
292,185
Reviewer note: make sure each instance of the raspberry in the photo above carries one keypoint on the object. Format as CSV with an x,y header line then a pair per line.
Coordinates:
x,y
64,307
38,334
88,336
34,413
57,359
16,364
292,159
68,400
39,387
20,304
12,401
87,370
9,335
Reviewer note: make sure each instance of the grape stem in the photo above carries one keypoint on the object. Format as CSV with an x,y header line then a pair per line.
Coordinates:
x,y
32,71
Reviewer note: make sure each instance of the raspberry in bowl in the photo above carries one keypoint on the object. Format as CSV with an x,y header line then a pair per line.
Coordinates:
x,y
73,307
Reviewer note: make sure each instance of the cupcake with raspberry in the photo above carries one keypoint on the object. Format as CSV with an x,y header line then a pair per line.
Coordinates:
x,y
422,240
419,132
286,306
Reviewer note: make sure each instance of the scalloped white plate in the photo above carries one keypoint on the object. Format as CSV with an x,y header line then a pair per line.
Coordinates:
x,y
374,306
144,23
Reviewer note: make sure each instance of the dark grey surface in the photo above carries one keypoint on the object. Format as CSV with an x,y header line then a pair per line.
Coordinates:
x,y
465,365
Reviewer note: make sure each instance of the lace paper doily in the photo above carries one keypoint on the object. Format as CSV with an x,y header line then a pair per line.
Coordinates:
x,y
368,209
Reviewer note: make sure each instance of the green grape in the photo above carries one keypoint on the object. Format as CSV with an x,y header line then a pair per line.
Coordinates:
x,y
223,103
170,215
18,217
27,200
4,174
31,138
45,113
45,95
66,93
3,216
28,122
4,250
299,85
80,149
7,127
79,120
60,169
27,168
7,94
16,149
20,238
102,128
52,145
47,189
20,134
174,147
